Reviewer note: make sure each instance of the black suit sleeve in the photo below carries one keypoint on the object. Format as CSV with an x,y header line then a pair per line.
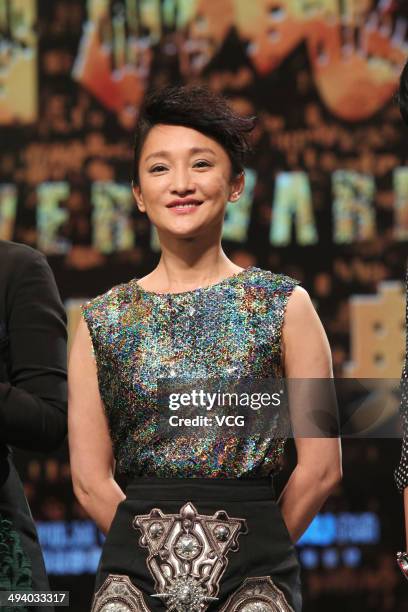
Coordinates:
x,y
33,404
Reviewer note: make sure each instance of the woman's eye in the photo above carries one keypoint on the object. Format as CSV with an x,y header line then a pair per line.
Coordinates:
x,y
202,162
160,168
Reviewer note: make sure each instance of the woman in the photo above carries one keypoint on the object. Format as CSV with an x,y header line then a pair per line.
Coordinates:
x,y
33,400
401,472
199,527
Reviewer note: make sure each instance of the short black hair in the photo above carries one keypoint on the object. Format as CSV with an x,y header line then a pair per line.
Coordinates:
x,y
197,107
402,95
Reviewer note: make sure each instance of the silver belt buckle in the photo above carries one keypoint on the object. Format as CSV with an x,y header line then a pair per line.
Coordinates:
x,y
188,554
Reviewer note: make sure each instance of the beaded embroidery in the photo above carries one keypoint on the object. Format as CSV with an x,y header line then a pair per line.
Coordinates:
x,y
15,565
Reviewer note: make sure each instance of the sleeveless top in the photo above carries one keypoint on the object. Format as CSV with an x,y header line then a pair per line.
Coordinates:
x,y
233,327
401,471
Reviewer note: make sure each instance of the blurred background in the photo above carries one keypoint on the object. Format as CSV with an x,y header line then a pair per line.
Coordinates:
x,y
326,201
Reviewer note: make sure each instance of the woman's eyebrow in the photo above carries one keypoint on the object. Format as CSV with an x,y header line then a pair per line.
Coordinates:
x,y
192,151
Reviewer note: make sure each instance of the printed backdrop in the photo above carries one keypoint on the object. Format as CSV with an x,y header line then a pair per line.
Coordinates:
x,y
326,195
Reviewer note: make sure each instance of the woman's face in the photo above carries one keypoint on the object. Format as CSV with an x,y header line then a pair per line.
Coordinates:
x,y
180,163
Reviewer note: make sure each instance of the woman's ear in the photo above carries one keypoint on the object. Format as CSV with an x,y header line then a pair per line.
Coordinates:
x,y
137,194
237,187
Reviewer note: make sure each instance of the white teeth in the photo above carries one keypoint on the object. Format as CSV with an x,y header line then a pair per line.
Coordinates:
x,y
185,205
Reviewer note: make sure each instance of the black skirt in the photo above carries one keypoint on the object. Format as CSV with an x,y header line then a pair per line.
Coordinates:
x,y
198,544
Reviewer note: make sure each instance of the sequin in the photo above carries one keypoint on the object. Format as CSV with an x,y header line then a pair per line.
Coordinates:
x,y
138,336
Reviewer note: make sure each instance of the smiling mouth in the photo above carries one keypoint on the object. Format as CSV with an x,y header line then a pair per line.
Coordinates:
x,y
187,205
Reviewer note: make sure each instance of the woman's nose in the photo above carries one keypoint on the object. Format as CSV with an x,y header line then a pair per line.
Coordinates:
x,y
182,181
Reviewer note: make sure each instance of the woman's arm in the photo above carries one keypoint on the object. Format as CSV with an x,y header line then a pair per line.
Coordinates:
x,y
33,404
401,471
306,355
92,462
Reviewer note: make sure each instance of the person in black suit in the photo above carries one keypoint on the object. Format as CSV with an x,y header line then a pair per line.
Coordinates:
x,y
401,472
33,400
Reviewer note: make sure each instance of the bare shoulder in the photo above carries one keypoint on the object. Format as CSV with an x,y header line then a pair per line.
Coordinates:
x,y
299,306
306,349
82,348
301,319
82,330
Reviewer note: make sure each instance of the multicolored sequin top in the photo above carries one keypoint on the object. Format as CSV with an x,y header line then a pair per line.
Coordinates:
x,y
231,328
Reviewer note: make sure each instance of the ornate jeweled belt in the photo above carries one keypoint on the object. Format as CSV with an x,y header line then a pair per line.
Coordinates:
x,y
188,554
